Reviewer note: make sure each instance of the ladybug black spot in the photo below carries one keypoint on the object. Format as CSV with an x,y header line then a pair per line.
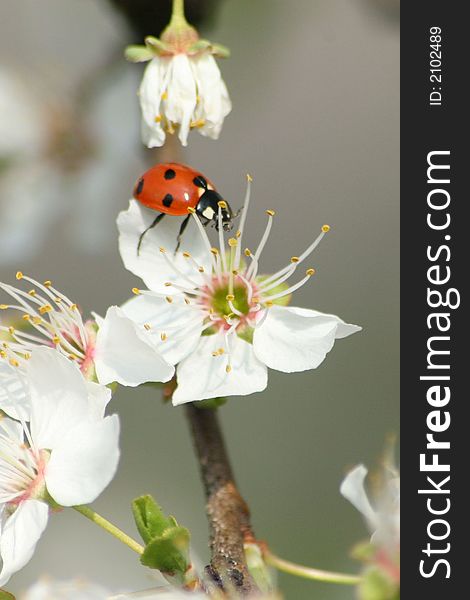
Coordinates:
x,y
200,182
167,200
140,186
169,174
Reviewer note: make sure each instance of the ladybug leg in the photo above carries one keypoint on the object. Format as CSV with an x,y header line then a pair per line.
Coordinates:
x,y
184,224
155,222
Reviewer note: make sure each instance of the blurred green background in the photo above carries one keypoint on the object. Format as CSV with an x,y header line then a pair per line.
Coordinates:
x,y
315,89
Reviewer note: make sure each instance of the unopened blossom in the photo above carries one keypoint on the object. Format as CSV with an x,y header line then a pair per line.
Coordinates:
x,y
182,88
64,453
112,349
380,507
212,314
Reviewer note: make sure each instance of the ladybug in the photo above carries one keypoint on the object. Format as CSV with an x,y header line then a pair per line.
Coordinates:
x,y
172,188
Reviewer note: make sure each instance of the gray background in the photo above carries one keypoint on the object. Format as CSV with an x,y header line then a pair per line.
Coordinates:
x,y
314,85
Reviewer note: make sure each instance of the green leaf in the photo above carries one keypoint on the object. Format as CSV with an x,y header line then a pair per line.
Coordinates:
x,y
6,595
150,519
138,54
376,585
169,552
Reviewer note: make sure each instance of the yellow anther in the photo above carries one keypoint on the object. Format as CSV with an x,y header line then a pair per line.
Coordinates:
x,y
56,339
37,320
198,124
11,330
201,269
228,368
235,272
255,299
26,317
168,283
3,306
136,291
222,204
14,362
19,275
247,252
229,297
249,177
211,311
48,283
198,98
32,292
310,272
187,301
214,354
57,300
233,242
270,212
5,345
27,356
186,255
147,326
72,357
326,228
3,354
238,234
220,351
269,303
158,119
214,251
45,309
294,259
191,210
164,96
162,249
73,307
163,337
169,299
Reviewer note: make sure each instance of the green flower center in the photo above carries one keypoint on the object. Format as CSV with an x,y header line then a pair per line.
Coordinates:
x,y
239,299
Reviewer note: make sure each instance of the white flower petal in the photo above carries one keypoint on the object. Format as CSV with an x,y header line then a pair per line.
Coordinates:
x,y
214,102
201,376
19,536
181,102
295,339
14,392
150,265
59,396
150,94
353,490
125,353
181,324
84,463
98,399
47,589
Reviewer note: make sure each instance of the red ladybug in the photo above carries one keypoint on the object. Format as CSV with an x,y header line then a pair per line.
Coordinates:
x,y
172,188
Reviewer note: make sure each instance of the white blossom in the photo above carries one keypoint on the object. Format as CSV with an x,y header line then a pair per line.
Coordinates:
x,y
182,92
113,349
76,589
212,314
65,452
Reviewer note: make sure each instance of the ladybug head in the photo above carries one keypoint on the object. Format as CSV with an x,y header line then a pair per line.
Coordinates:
x,y
208,209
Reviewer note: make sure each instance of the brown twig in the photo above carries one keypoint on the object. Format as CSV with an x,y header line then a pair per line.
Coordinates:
x,y
228,514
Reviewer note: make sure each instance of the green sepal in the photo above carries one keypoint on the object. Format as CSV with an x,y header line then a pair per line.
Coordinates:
x,y
215,49
258,568
138,54
376,585
246,334
364,551
220,51
169,552
211,403
149,518
6,595
155,45
282,287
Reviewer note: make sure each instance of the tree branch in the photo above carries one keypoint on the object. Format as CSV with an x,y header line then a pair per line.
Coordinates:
x,y
228,514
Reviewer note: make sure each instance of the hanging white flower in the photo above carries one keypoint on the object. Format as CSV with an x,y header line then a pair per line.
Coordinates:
x,y
213,315
182,88
381,510
113,349
65,455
